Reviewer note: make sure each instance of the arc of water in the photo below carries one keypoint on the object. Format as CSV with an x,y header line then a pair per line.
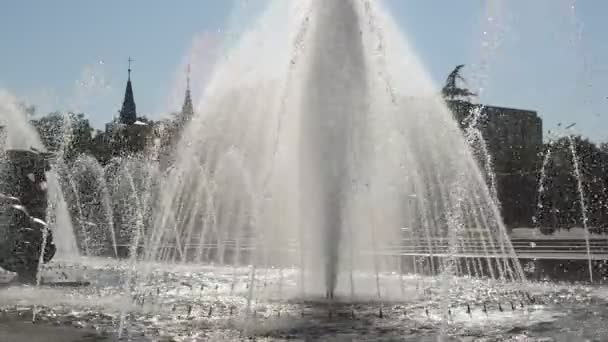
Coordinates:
x,y
489,167
166,216
194,212
298,45
81,219
455,221
581,194
109,214
209,217
237,162
541,182
131,269
45,234
182,224
81,166
371,216
477,209
254,249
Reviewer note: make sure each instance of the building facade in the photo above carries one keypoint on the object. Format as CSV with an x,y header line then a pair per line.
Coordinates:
x,y
514,141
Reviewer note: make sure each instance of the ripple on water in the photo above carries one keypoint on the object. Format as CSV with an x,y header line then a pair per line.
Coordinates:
x,y
199,303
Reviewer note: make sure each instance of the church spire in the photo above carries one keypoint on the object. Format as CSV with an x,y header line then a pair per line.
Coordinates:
x,y
128,113
129,70
187,108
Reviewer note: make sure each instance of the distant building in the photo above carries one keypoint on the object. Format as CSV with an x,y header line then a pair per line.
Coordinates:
x,y
127,133
515,136
514,139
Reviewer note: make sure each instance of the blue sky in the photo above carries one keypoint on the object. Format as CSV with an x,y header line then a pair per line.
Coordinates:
x,y
546,55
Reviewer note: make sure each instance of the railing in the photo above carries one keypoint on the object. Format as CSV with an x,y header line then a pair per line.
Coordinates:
x,y
570,249
558,249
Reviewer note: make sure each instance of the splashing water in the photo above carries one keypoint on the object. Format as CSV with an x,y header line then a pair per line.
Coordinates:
x,y
578,177
19,134
321,157
336,125
330,152
321,161
581,193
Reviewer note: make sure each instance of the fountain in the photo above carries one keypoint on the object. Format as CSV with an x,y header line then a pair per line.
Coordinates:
x,y
568,141
322,186
26,240
327,160
18,134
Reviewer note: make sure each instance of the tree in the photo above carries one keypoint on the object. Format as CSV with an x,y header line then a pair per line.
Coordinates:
x,y
70,133
458,99
560,198
451,91
100,147
50,129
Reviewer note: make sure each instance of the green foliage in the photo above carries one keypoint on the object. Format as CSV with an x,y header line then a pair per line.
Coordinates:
x,y
555,205
560,203
451,91
70,133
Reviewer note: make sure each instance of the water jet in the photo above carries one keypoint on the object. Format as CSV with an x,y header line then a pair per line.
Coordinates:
x,y
326,165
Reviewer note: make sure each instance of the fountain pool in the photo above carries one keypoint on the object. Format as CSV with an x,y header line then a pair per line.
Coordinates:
x,y
321,178
199,303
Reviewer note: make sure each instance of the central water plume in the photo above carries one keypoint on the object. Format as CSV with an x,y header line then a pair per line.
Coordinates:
x,y
321,143
334,102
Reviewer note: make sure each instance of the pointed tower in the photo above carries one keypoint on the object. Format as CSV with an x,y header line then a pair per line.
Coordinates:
x,y
187,108
128,112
